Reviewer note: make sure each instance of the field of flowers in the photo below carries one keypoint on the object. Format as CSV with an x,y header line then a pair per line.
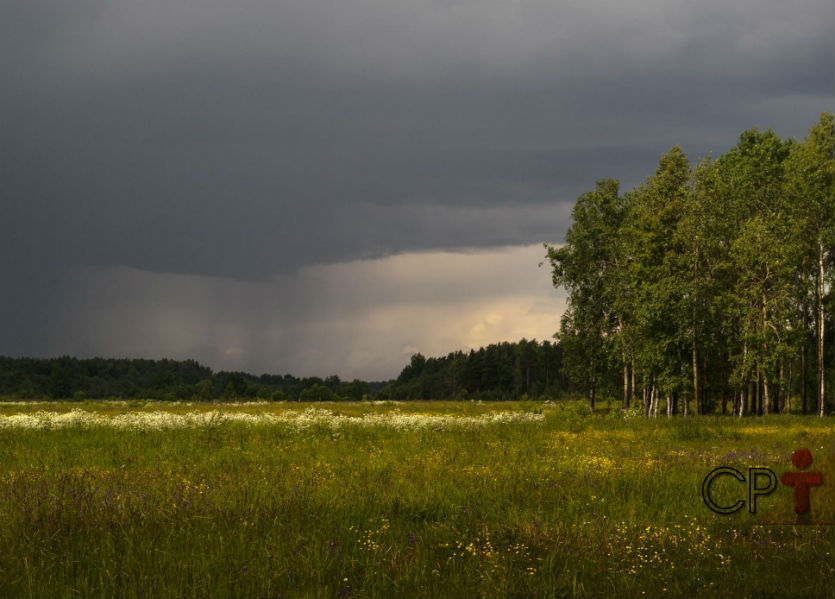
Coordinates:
x,y
434,499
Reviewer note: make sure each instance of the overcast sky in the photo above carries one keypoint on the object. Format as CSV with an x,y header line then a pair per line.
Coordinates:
x,y
327,186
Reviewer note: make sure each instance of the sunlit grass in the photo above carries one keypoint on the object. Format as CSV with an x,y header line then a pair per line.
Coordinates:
x,y
546,503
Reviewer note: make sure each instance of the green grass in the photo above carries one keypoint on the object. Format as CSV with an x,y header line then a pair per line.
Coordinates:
x,y
575,505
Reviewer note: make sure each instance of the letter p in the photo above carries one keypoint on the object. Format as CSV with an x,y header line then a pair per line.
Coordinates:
x,y
754,474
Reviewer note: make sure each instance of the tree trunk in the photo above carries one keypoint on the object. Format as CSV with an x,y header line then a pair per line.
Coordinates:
x,y
591,394
819,294
695,383
766,395
765,398
633,377
778,390
787,404
742,395
625,383
657,395
759,398
746,383
654,401
744,404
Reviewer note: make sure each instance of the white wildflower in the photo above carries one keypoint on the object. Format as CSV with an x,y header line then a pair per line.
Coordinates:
x,y
162,419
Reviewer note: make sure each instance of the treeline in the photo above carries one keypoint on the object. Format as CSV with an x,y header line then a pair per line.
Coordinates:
x,y
707,287
98,378
503,371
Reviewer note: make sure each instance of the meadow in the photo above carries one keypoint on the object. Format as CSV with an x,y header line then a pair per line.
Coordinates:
x,y
417,499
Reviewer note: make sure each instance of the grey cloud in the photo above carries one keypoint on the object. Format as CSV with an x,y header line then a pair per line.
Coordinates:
x,y
351,318
250,139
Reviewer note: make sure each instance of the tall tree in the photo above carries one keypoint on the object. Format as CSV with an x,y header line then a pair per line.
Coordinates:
x,y
762,253
810,186
660,310
585,267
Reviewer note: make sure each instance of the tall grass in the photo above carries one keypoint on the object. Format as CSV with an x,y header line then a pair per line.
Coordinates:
x,y
564,505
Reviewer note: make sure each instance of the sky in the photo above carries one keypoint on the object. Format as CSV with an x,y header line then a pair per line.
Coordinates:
x,y
325,187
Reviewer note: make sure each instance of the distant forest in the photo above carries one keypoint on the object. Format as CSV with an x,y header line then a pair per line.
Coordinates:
x,y
708,282
505,371
98,378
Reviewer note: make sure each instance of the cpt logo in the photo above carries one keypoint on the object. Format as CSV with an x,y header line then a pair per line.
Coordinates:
x,y
801,481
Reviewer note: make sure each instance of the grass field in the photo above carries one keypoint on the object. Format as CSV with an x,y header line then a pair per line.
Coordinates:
x,y
429,499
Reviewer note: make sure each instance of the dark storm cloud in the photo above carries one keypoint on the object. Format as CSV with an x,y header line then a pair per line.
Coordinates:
x,y
248,139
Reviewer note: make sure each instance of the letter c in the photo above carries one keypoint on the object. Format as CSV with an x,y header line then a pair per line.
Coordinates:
x,y
706,490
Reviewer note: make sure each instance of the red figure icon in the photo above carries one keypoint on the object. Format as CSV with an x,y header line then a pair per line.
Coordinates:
x,y
801,481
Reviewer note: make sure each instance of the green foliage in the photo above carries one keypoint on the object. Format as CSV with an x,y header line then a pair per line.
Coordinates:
x,y
97,378
319,393
502,371
591,325
705,282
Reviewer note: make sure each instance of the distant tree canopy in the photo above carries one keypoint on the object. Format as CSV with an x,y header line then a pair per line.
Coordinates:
x,y
707,284
503,371
97,378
